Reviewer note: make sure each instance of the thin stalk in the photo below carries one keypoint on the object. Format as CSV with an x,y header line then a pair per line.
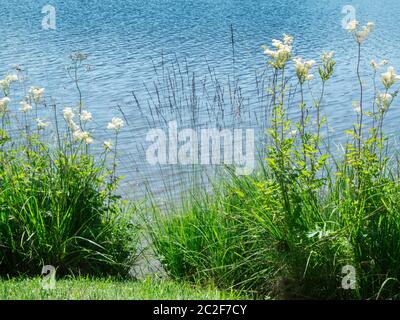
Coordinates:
x,y
319,111
361,99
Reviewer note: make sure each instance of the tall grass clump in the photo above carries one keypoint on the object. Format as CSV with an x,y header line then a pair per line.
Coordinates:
x,y
294,229
203,239
58,202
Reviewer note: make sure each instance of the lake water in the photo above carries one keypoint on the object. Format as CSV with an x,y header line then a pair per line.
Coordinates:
x,y
177,57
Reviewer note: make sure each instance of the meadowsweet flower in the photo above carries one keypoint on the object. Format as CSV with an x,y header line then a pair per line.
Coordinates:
x,y
3,84
86,116
6,82
326,57
360,35
326,68
115,124
83,136
87,138
25,106
107,145
303,68
363,34
69,119
42,124
36,93
282,53
68,114
3,104
389,78
384,100
287,39
376,65
78,135
11,78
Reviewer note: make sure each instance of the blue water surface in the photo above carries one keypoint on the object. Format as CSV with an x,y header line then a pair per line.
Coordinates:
x,y
130,41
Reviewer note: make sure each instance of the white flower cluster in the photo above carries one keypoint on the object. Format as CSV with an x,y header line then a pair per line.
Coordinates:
x,y
25,107
384,100
6,83
83,136
86,116
303,69
282,53
78,134
116,124
376,65
36,94
3,104
326,68
107,145
359,35
389,78
69,119
327,57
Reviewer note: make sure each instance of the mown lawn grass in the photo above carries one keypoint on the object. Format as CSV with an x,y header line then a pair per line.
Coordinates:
x,y
108,289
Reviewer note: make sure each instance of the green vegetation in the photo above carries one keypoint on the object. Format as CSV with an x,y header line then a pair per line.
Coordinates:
x,y
97,289
207,239
55,212
292,229
58,205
